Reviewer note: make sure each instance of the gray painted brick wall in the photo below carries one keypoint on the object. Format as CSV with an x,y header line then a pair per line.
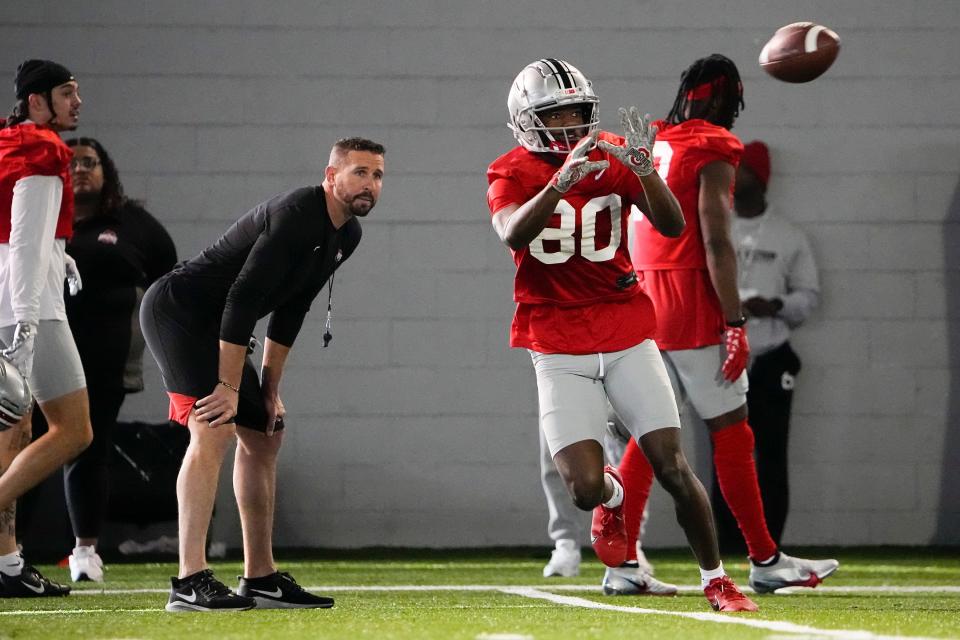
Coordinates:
x,y
417,426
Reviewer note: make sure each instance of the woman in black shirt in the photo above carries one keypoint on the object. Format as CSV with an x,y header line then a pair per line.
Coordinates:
x,y
120,249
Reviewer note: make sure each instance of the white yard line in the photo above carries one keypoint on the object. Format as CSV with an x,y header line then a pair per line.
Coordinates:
x,y
821,590
771,625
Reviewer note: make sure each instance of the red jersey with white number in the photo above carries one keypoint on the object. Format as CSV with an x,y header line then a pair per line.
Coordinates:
x,y
28,149
674,270
574,285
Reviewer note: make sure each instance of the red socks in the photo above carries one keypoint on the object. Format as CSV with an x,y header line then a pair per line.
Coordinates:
x,y
637,477
737,475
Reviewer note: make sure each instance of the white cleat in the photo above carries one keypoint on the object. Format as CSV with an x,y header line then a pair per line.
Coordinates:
x,y
629,580
86,565
642,563
564,560
788,571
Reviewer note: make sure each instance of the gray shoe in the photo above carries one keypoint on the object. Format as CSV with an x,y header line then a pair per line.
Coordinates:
x,y
628,580
564,560
788,571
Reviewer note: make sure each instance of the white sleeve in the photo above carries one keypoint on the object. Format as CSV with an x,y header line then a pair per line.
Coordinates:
x,y
34,213
803,285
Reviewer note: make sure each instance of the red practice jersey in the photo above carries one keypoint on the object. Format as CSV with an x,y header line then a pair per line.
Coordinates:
x,y
675,269
574,286
31,150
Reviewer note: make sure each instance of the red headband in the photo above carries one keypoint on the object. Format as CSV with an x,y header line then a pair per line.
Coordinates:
x,y
706,90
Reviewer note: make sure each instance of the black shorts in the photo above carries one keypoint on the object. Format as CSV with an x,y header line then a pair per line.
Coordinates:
x,y
185,342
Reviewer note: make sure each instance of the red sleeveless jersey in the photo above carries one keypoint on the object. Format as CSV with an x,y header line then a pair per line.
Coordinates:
x,y
675,269
574,287
31,150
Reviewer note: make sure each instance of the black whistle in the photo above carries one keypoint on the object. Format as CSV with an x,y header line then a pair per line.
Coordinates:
x,y
327,337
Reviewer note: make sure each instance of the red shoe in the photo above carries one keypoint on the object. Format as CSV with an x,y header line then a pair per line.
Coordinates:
x,y
608,531
724,596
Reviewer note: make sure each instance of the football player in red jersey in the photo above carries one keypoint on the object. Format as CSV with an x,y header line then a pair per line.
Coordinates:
x,y
692,282
560,202
36,219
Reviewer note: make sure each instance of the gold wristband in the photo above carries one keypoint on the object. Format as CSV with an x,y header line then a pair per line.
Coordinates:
x,y
229,386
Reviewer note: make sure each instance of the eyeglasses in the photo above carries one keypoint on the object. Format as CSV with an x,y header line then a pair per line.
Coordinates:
x,y
86,162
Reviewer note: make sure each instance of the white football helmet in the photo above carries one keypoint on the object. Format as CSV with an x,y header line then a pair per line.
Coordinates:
x,y
15,396
547,84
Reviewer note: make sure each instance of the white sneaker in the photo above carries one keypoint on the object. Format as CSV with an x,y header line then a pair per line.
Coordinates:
x,y
630,580
564,560
86,565
642,562
788,571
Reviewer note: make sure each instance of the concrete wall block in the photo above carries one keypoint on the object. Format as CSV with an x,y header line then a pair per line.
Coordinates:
x,y
485,487
910,343
909,246
267,149
854,199
421,440
874,390
441,247
861,439
833,487
357,343
475,295
183,100
867,294
501,394
903,527
865,150
147,148
211,197
841,247
818,526
340,102
422,198
389,294
831,342
458,343
933,394
934,300
334,389
938,197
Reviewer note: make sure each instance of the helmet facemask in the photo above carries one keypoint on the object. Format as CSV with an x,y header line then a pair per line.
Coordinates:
x,y
543,86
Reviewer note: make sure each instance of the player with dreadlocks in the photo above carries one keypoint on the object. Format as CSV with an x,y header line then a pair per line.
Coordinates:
x,y
692,281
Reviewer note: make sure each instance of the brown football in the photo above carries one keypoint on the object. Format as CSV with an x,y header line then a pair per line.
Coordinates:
x,y
800,52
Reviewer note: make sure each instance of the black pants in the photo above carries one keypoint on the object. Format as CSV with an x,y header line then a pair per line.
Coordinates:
x,y
86,478
768,403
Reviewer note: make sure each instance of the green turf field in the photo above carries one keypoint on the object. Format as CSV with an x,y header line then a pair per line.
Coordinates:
x,y
500,595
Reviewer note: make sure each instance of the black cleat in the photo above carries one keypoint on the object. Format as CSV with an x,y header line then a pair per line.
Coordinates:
x,y
281,591
203,592
30,584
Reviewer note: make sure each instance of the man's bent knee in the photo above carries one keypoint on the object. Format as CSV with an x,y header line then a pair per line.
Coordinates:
x,y
587,490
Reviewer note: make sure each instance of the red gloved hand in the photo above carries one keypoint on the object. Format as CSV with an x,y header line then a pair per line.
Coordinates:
x,y
738,352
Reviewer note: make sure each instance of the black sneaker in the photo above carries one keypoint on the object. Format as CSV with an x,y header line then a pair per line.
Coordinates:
x,y
30,584
281,591
203,592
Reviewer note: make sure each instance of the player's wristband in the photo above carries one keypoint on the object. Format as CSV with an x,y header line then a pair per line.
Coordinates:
x,y
736,324
229,386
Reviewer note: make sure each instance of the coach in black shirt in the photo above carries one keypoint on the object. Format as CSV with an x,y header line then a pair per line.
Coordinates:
x,y
198,322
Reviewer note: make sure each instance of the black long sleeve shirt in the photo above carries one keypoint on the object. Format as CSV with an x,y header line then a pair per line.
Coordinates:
x,y
118,255
273,260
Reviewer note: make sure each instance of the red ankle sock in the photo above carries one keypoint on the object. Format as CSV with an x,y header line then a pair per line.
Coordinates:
x,y
637,477
737,475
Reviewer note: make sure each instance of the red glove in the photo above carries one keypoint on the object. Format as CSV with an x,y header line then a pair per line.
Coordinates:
x,y
738,352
